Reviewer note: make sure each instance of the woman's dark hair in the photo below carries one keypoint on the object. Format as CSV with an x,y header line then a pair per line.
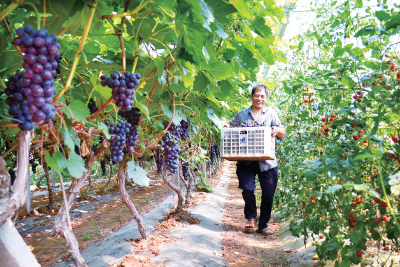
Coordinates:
x,y
259,87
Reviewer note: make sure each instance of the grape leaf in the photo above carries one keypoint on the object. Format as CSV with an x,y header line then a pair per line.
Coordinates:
x,y
67,139
79,110
56,161
219,70
75,165
104,128
137,174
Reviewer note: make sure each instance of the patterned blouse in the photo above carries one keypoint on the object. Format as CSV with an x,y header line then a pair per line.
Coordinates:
x,y
268,117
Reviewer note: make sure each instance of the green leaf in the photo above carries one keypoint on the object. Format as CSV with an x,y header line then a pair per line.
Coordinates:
x,y
143,109
261,28
359,187
368,30
194,36
75,165
168,111
366,155
102,92
301,45
102,126
243,8
333,188
359,3
79,110
393,23
137,174
382,15
219,70
56,161
348,81
68,140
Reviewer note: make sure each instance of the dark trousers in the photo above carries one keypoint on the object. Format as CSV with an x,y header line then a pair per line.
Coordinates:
x,y
268,180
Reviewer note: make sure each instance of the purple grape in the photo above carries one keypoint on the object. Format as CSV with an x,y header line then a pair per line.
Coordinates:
x,y
32,50
50,115
30,59
37,68
27,91
29,73
103,77
48,41
49,99
17,41
39,101
37,92
54,64
41,33
17,96
43,50
47,66
23,48
42,59
26,82
29,29
47,75
28,40
37,78
46,108
38,42
39,116
48,91
52,50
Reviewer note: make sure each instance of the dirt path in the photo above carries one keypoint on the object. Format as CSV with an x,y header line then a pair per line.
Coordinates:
x,y
240,248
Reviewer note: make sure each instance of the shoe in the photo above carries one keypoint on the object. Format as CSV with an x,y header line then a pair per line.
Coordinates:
x,y
265,231
250,225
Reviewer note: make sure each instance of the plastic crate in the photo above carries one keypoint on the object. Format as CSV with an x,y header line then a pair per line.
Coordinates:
x,y
247,144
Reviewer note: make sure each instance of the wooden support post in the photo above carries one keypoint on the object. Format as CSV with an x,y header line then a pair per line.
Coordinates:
x,y
53,177
176,182
27,204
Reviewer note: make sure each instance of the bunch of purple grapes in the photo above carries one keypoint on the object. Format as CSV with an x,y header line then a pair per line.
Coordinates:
x,y
132,117
118,139
159,162
185,170
185,126
216,150
175,130
123,88
212,153
92,106
103,166
31,93
171,150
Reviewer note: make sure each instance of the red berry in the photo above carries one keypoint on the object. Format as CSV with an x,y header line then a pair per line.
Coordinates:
x,y
352,224
359,254
377,200
384,204
323,119
342,156
312,202
282,122
385,218
321,237
358,200
361,131
398,159
277,188
390,155
353,204
359,100
313,198
333,116
393,67
340,183
394,138
359,92
350,213
398,75
352,218
347,150
355,137
355,96
388,62
378,191
386,55
377,221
